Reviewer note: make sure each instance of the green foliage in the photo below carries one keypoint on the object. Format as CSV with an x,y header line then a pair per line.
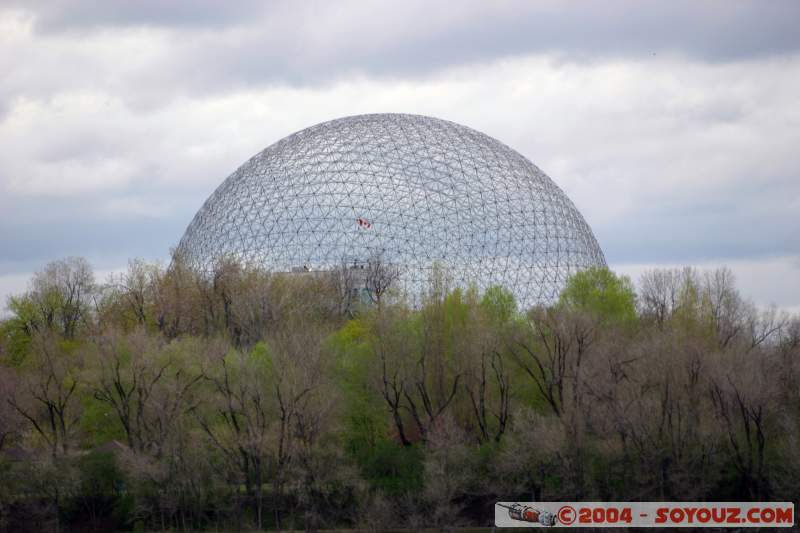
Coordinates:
x,y
98,423
691,316
528,394
16,332
499,304
394,469
456,308
100,476
599,291
365,415
261,362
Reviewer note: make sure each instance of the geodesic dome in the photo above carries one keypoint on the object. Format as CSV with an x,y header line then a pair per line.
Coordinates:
x,y
418,192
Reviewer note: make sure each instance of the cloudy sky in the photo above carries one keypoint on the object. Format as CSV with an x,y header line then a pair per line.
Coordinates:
x,y
674,126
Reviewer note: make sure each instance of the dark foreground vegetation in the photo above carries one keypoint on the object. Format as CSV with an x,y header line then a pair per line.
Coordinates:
x,y
243,400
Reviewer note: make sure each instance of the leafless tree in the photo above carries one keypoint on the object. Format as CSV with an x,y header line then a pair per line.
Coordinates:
x,y
522,468
394,355
10,419
263,402
552,355
764,326
46,396
60,294
491,370
239,416
348,284
724,304
449,471
137,287
380,278
652,399
250,308
178,307
308,411
742,399
304,397
147,385
659,293
487,381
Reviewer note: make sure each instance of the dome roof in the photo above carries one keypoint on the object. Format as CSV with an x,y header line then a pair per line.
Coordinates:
x,y
413,190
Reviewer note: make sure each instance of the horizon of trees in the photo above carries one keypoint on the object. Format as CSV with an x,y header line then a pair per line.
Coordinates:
x,y
164,399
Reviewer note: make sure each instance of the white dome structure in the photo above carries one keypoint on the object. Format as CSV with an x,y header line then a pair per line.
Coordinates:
x,y
415,191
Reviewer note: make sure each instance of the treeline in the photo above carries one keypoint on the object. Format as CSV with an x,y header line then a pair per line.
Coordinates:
x,y
165,399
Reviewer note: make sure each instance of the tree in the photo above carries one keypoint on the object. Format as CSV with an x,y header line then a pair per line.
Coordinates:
x,y
391,340
380,278
306,402
482,340
598,290
10,419
650,405
449,471
723,305
189,400
348,286
742,401
46,396
177,300
148,385
553,351
659,293
57,302
62,292
135,292
265,400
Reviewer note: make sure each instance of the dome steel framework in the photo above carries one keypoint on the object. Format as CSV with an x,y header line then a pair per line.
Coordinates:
x,y
413,190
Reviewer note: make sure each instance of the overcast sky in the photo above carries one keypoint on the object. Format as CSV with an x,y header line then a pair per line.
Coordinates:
x,y
673,126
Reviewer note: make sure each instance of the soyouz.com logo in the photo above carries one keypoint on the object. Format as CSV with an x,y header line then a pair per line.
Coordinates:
x,y
644,514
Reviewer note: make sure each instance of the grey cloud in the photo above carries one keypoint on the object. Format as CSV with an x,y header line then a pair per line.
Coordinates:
x,y
76,15
219,46
298,53
151,54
